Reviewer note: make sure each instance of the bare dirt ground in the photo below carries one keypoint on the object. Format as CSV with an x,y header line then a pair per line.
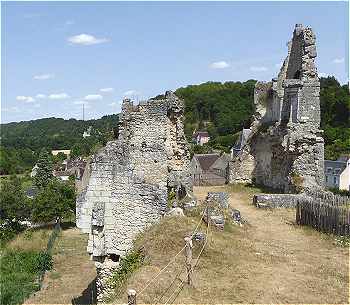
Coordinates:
x,y
293,264
71,281
269,260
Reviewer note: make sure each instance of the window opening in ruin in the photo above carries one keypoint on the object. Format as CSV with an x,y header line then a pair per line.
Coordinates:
x,y
114,257
181,192
297,74
143,144
294,107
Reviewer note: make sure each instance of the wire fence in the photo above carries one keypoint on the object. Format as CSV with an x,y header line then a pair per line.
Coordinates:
x,y
48,251
180,286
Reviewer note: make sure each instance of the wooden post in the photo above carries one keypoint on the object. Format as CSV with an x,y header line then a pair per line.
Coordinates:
x,y
188,254
131,297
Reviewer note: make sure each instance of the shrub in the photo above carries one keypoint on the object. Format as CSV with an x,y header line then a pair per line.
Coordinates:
x,y
19,272
128,264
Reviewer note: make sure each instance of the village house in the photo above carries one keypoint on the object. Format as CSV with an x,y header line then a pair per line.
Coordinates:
x,y
337,173
62,175
64,151
87,133
201,137
211,169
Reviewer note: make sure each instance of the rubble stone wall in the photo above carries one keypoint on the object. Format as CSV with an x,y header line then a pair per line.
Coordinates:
x,y
285,148
130,179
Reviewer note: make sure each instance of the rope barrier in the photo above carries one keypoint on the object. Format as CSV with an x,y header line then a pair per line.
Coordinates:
x,y
183,281
166,290
173,259
159,273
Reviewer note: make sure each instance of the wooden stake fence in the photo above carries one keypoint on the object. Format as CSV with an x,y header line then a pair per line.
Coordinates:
x,y
325,213
188,255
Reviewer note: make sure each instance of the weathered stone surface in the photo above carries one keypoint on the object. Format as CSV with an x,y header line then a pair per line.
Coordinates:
x,y
275,200
236,216
175,212
220,197
199,237
131,177
284,150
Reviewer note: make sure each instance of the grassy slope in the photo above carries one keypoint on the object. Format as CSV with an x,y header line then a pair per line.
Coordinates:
x,y
270,260
19,265
71,279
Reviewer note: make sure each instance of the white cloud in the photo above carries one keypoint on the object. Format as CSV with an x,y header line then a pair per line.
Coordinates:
x,y
86,40
44,76
93,97
107,89
40,95
130,92
58,96
258,68
26,99
219,65
338,60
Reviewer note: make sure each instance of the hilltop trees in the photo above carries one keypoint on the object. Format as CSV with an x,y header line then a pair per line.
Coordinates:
x,y
44,171
222,109
335,117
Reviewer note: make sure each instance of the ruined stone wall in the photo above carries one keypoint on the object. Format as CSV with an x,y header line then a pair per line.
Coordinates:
x,y
285,148
130,179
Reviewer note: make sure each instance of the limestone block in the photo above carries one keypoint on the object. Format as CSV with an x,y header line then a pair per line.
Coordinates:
x,y
175,212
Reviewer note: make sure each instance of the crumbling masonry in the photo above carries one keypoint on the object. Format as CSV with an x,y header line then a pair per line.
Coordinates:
x,y
130,179
285,148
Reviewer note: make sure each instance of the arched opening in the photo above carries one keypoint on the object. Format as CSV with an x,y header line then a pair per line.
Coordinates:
x,y
114,257
297,75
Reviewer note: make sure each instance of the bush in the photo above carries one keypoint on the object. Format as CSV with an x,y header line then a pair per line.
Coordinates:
x,y
130,263
19,272
8,230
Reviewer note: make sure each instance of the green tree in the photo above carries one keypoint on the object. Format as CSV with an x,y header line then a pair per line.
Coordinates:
x,y
54,202
14,205
44,171
76,151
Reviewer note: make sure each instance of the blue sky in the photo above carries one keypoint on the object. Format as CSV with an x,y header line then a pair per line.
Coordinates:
x,y
57,56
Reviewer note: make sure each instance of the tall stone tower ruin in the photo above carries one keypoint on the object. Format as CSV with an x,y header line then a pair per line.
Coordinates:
x,y
130,180
285,149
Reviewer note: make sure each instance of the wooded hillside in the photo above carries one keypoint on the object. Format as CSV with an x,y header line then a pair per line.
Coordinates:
x,y
222,109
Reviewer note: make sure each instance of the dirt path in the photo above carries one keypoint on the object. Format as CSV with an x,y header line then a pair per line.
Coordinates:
x,y
293,264
71,281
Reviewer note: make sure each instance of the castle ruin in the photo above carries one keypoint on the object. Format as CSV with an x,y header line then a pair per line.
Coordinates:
x,y
130,180
285,148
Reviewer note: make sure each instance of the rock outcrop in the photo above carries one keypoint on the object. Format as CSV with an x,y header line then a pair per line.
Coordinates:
x,y
285,148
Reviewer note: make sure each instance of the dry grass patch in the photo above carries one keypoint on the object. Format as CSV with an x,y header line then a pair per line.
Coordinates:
x,y
31,240
270,260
